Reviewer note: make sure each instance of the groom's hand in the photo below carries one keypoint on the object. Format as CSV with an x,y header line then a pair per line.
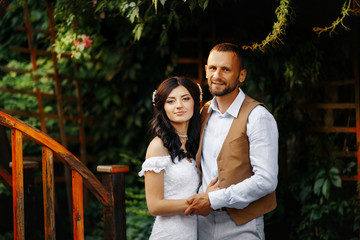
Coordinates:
x,y
199,205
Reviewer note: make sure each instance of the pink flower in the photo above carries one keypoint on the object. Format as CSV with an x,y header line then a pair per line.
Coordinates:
x,y
77,43
86,40
94,3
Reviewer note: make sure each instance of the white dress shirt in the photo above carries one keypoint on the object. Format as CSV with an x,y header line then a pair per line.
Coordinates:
x,y
263,141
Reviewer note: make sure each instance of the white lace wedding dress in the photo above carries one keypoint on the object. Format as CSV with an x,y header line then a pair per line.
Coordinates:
x,y
181,180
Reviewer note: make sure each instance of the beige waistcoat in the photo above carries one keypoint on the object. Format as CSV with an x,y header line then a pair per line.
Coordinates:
x,y
234,162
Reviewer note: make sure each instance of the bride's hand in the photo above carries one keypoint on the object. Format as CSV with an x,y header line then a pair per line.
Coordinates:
x,y
213,185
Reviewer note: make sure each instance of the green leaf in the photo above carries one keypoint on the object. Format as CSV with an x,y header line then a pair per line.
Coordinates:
x,y
334,170
203,4
116,99
326,188
349,167
336,180
134,14
305,193
192,4
138,31
321,173
318,185
155,2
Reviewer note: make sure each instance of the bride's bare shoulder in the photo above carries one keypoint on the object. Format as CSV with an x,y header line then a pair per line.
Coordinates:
x,y
156,148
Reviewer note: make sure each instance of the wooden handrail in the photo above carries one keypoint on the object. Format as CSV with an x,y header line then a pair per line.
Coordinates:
x,y
111,193
92,183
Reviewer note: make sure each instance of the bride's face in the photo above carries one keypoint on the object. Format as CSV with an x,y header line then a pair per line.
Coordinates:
x,y
179,105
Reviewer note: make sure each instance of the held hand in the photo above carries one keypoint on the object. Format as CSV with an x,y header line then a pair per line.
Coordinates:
x,y
199,205
213,185
190,200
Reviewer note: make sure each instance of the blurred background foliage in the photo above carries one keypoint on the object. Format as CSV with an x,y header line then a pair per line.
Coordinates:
x,y
134,44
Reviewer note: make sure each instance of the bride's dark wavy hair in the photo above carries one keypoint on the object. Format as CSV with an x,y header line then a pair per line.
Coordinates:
x,y
161,126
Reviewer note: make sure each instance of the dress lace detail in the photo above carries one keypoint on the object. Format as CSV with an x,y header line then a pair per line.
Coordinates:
x,y
181,180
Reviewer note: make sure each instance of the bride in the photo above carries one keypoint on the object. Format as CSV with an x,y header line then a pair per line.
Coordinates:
x,y
170,170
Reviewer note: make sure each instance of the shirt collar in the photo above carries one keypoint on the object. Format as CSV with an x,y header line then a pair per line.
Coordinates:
x,y
234,108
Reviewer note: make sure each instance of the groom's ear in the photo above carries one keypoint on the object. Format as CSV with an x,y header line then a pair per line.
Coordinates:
x,y
242,75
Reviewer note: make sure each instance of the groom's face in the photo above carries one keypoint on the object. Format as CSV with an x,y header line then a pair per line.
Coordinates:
x,y
223,72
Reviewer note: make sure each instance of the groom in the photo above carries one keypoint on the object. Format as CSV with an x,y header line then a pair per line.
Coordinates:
x,y
239,145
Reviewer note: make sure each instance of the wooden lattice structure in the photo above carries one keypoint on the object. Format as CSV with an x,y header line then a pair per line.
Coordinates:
x,y
110,193
58,96
341,117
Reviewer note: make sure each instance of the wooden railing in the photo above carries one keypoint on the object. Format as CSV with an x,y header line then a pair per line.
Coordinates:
x,y
110,193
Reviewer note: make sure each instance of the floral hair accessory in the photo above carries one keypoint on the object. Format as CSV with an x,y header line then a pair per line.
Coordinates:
x,y
153,97
201,93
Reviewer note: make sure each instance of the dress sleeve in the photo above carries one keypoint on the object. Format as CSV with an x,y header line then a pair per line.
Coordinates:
x,y
155,164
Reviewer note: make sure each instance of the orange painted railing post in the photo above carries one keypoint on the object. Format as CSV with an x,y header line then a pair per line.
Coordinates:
x,y
18,185
78,206
48,193
113,179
